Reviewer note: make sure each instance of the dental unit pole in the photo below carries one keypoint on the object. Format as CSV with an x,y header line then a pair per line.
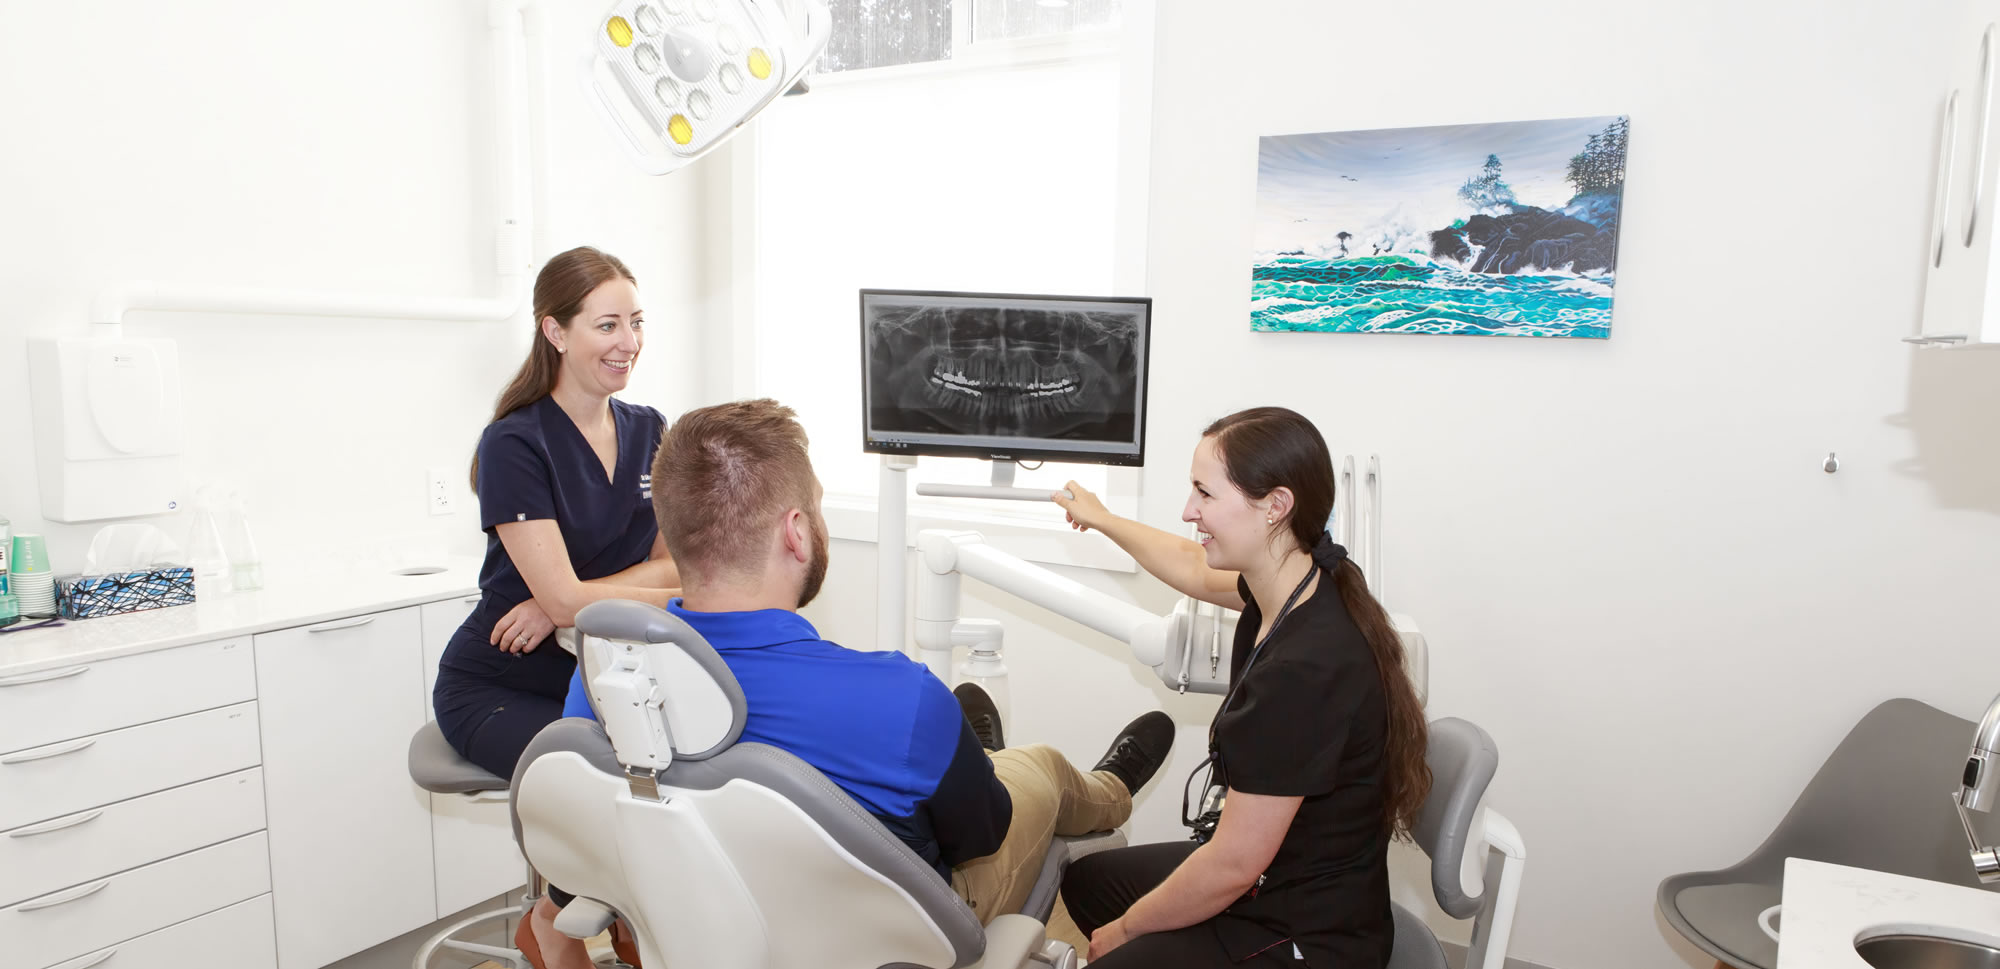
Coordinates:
x,y
511,23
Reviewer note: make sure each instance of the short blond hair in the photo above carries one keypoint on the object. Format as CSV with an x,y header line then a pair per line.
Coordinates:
x,y
721,474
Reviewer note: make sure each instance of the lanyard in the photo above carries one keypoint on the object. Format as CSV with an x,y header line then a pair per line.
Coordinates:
x,y
1204,825
1237,681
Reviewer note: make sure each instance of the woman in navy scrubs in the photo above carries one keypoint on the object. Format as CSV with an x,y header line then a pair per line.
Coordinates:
x,y
564,476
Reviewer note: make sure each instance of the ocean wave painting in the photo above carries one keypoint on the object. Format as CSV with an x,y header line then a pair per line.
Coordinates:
x,y
1506,229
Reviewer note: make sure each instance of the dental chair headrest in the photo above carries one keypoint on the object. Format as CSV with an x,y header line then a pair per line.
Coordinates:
x,y
699,699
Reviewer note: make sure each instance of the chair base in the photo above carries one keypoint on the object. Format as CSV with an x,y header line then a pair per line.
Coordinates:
x,y
507,956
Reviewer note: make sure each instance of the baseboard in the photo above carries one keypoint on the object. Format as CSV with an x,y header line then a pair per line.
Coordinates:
x,y
1455,955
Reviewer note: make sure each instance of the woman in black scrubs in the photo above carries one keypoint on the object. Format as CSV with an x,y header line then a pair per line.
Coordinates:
x,y
564,476
1316,753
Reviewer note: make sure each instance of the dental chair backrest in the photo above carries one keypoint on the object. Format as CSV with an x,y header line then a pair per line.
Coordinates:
x,y
719,854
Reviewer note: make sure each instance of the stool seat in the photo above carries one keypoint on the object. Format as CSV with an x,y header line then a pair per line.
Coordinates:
x,y
439,769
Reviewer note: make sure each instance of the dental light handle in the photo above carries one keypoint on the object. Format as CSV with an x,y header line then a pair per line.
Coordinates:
x,y
989,491
1000,486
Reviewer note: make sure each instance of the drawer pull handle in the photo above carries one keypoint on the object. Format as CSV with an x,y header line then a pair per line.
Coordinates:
x,y
486,796
52,902
48,752
58,825
349,624
43,677
472,600
97,961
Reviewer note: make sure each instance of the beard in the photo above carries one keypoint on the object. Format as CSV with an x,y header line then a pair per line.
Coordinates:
x,y
816,569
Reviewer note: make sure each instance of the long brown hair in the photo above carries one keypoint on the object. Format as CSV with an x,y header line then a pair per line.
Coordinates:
x,y
560,289
1264,448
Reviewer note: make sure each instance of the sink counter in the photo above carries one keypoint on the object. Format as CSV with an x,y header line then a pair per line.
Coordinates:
x,y
292,596
1828,908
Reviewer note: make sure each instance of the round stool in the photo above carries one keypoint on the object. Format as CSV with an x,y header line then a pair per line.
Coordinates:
x,y
437,768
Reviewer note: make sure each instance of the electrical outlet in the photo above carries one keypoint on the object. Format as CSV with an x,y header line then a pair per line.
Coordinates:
x,y
438,493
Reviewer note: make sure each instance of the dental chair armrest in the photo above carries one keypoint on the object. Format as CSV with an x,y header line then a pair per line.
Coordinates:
x,y
1009,940
583,918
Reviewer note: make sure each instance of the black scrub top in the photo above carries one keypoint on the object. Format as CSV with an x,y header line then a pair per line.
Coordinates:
x,y
534,464
1309,720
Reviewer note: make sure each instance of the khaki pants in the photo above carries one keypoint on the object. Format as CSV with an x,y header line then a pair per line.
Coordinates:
x,y
1051,797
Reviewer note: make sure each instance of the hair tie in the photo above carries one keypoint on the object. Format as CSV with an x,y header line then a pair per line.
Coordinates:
x,y
1328,554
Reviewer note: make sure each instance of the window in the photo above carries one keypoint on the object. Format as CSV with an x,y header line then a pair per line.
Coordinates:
x,y
942,185
891,33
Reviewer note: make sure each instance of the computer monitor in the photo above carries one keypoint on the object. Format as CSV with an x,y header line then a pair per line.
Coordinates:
x,y
1009,377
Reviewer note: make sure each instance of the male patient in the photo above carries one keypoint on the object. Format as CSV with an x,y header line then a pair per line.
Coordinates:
x,y
738,505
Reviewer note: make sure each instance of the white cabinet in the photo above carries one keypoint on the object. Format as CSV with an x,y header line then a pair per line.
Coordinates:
x,y
350,832
472,837
1961,305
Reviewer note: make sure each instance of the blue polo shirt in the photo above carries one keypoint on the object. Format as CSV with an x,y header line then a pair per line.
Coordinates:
x,y
877,724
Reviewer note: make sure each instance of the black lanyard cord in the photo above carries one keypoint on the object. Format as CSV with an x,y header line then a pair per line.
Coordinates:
x,y
1204,825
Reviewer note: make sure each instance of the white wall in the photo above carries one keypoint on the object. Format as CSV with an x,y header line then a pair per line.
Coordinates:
x,y
1630,566
336,147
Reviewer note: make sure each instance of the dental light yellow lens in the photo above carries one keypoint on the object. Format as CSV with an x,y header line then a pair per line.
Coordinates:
x,y
760,63
620,31
679,130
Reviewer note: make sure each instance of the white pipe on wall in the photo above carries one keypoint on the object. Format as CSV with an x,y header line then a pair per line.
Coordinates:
x,y
522,167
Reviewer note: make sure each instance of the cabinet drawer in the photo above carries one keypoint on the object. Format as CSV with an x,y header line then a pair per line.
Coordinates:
x,y
76,775
474,844
87,698
66,924
41,858
237,937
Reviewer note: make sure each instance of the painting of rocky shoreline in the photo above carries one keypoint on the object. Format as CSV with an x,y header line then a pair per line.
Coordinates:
x,y
1505,229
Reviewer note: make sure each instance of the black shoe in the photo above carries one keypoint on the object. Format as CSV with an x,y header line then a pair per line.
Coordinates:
x,y
1139,750
982,714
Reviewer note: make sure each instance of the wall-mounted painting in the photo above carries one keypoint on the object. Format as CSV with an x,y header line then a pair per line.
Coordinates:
x,y
1507,229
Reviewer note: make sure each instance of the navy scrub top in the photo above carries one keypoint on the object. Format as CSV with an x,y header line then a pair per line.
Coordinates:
x,y
534,464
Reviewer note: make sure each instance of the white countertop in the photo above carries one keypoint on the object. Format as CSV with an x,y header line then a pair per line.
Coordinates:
x,y
293,595
1830,907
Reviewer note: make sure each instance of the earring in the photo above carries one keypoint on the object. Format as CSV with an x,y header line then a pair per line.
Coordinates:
x,y
1268,520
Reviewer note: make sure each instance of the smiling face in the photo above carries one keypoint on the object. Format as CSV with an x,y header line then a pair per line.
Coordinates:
x,y
1234,532
600,345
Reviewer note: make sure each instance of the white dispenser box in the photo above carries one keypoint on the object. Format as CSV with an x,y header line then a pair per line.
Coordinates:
x,y
107,426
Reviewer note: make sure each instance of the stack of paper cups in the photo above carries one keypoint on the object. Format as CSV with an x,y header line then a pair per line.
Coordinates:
x,y
30,578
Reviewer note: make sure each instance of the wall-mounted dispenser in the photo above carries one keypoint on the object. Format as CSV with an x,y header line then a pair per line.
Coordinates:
x,y
107,426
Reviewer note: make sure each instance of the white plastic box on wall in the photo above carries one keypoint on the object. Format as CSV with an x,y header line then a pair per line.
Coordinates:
x,y
1961,287
107,426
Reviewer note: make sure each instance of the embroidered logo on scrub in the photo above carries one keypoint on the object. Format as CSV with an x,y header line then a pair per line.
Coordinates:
x,y
646,486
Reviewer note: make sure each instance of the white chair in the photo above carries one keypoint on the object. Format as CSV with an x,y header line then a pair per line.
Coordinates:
x,y
727,855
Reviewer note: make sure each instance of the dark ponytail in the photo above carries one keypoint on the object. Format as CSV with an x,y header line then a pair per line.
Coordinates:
x,y
1265,448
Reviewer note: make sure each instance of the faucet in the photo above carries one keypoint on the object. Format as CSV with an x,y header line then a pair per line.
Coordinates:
x,y
1979,789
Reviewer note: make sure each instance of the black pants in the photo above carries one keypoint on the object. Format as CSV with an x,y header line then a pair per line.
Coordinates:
x,y
1101,887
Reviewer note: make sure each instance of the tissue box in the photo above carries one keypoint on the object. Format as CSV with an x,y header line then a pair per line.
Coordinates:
x,y
91,596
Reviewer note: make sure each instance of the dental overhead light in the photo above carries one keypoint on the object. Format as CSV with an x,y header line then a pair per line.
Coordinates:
x,y
675,78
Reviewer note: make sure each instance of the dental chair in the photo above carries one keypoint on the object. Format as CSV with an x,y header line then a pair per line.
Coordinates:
x,y
1452,826
727,855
